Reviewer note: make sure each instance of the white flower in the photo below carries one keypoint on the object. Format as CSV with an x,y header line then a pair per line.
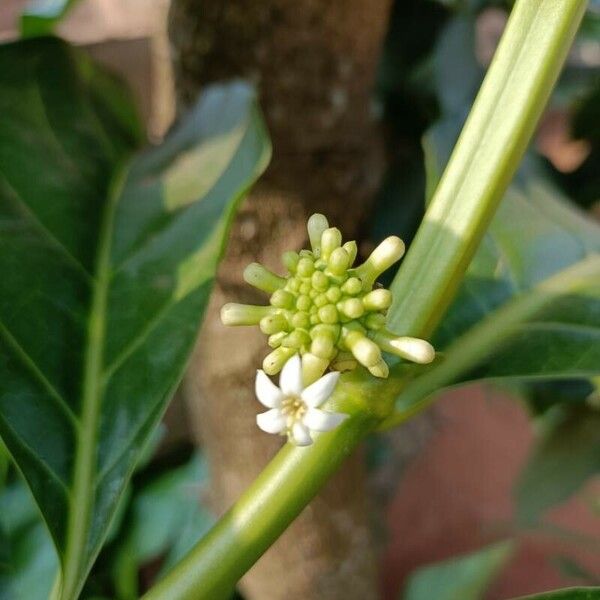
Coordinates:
x,y
295,411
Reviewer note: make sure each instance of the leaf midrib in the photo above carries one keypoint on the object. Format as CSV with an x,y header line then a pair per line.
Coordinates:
x,y
82,498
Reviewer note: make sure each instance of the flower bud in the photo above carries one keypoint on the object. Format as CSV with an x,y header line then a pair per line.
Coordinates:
x,y
380,369
282,299
365,351
330,240
339,261
352,286
319,281
243,314
275,340
313,367
352,307
290,260
306,267
352,249
323,347
273,324
381,259
275,360
328,314
261,278
413,349
380,299
316,225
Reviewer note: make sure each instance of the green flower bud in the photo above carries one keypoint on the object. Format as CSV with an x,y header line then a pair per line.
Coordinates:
x,y
276,339
365,351
274,361
330,240
328,314
320,281
323,347
297,339
321,300
316,225
243,314
352,249
352,286
290,260
303,303
273,324
352,307
282,299
261,278
301,319
333,294
306,267
339,261
378,300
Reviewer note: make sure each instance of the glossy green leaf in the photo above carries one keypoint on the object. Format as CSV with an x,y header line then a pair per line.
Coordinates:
x,y
106,264
575,593
39,17
567,455
460,578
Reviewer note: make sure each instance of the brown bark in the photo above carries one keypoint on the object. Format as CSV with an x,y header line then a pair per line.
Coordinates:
x,y
313,63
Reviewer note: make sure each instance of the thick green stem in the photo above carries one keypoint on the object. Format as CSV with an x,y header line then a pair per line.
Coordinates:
x,y
511,99
211,570
513,95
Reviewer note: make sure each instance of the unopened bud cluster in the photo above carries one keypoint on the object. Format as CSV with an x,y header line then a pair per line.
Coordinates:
x,y
327,310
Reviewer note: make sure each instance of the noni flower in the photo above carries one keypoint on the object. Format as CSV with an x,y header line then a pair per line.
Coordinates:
x,y
331,313
294,409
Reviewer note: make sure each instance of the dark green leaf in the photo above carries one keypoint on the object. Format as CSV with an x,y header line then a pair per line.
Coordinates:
x,y
461,578
106,265
566,456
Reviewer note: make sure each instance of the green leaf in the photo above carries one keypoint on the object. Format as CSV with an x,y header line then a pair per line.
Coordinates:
x,y
41,16
570,289
567,455
460,578
166,518
575,593
28,561
106,265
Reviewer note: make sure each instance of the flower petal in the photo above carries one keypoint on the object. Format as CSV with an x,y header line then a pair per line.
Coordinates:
x,y
272,421
267,392
290,380
315,394
300,435
319,420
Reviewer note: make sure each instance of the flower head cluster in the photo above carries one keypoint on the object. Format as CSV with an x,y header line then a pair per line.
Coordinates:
x,y
326,310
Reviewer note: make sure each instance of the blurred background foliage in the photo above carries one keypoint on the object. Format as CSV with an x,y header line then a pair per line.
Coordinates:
x,y
432,63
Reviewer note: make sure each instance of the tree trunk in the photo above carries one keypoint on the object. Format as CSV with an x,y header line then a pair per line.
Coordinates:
x,y
313,63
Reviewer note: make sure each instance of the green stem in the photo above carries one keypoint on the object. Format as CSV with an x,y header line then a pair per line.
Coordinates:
x,y
511,99
211,570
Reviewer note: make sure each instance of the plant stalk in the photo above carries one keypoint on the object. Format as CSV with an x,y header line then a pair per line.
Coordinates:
x,y
513,95
288,483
